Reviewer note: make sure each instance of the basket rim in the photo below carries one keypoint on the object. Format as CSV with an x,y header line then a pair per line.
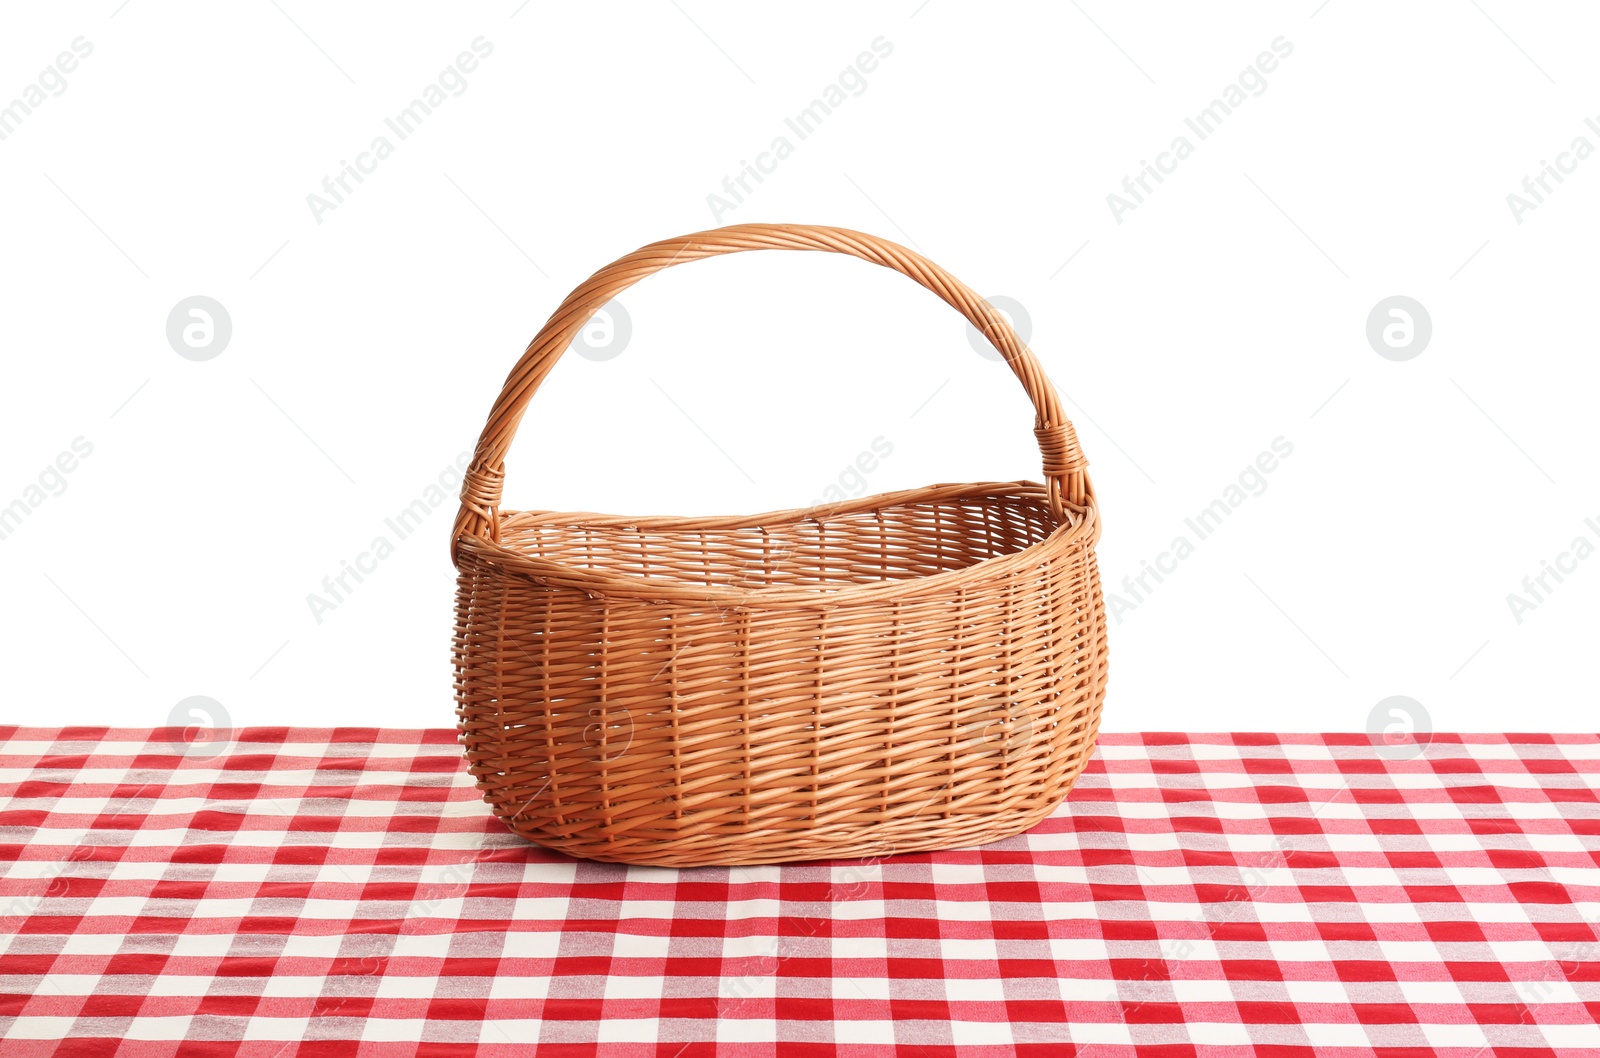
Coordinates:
x,y
1082,529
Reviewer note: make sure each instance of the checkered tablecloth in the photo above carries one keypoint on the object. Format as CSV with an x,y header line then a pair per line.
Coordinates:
x,y
345,892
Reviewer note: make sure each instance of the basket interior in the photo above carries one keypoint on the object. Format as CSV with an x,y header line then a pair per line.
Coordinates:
x,y
859,544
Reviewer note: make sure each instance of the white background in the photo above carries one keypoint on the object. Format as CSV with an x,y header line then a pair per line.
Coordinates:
x,y
1226,310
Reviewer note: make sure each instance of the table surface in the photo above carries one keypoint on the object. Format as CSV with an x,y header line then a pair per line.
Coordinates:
x,y
1196,895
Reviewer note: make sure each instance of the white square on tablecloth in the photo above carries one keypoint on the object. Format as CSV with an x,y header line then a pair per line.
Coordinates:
x,y
1337,1034
506,986
865,1033
1217,1033
861,987
1310,992
976,990
1114,1033
857,910
392,1030
1442,1035
628,986
539,909
627,1030
980,1033
531,944
639,946
746,1030
265,1028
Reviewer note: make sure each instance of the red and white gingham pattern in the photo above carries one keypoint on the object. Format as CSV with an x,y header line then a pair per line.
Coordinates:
x,y
1198,895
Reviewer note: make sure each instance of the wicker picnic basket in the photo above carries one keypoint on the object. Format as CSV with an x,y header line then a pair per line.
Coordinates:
x,y
909,671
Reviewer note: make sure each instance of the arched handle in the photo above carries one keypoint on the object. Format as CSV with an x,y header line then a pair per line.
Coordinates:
x,y
1064,465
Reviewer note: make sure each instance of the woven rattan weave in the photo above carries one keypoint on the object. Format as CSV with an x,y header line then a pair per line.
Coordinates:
x,y
907,671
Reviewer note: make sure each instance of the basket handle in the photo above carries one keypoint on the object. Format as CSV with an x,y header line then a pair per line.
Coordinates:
x,y
1064,464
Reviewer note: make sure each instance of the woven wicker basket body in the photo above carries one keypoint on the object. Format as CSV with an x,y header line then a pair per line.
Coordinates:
x,y
908,671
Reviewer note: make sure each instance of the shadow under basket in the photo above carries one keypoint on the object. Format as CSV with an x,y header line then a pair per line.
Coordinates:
x,y
910,671
913,671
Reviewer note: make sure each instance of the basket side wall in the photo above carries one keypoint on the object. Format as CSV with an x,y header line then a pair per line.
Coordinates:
x,y
670,734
